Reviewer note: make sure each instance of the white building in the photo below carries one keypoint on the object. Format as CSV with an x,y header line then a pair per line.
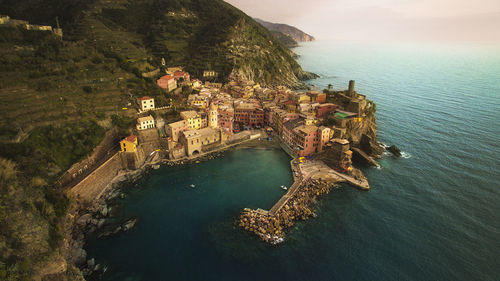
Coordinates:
x,y
145,123
146,103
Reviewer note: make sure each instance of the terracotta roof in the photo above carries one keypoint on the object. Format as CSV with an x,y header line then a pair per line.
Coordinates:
x,y
146,98
166,77
180,73
131,138
145,119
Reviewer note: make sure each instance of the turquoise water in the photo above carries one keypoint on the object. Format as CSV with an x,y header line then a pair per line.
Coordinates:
x,y
431,215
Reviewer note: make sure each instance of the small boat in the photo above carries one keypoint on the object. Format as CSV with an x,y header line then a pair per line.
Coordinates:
x,y
284,187
192,186
197,162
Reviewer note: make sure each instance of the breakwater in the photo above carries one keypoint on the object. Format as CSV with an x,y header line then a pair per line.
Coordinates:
x,y
312,179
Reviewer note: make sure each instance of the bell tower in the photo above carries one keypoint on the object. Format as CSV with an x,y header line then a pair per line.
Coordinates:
x,y
212,116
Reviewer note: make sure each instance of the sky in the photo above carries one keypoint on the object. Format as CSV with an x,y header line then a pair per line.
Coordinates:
x,y
393,20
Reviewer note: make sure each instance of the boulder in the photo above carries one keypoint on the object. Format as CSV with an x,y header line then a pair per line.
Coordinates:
x,y
101,223
78,256
129,224
83,220
394,150
104,210
91,263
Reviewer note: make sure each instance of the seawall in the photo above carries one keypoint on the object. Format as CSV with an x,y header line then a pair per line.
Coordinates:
x,y
96,183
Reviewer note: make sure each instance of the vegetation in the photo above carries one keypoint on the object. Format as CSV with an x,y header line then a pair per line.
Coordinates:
x,y
286,40
32,209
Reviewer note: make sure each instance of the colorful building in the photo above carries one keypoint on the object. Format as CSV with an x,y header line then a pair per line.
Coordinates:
x,y
213,116
249,114
317,97
194,141
324,110
145,123
167,83
175,129
182,76
146,103
129,144
193,119
305,139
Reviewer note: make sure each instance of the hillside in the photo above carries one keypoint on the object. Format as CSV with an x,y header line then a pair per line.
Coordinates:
x,y
96,69
293,32
198,34
286,40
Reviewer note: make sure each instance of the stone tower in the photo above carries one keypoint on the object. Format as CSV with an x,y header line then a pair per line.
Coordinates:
x,y
351,88
212,116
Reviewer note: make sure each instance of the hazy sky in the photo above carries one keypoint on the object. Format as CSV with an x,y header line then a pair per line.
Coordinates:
x,y
415,20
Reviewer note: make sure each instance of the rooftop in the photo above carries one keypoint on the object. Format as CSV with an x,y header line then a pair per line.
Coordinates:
x,y
178,124
166,77
307,129
146,98
199,133
131,138
189,114
341,141
145,119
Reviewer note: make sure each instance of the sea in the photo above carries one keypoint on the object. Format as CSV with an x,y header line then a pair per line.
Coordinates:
x,y
432,214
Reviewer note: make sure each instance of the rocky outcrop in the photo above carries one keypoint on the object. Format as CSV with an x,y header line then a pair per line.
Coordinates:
x,y
394,150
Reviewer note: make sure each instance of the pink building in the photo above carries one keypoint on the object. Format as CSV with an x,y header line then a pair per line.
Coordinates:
x,y
182,76
167,82
174,130
226,119
305,139
324,109
249,114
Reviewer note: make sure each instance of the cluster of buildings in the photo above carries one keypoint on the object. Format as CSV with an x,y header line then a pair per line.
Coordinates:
x,y
175,77
194,133
305,122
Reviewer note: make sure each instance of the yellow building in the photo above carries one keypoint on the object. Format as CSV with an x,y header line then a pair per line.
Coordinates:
x,y
303,99
198,102
129,144
193,119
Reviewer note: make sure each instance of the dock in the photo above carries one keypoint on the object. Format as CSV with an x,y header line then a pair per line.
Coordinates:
x,y
289,195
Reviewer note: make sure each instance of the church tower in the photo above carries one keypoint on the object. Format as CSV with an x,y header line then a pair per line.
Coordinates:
x,y
212,116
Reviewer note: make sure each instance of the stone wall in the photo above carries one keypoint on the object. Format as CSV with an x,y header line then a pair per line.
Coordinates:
x,y
107,148
95,184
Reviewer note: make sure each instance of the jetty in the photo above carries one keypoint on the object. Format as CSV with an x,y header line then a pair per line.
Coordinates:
x,y
312,178
283,200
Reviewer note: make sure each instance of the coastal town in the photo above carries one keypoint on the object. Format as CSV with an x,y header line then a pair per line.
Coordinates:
x,y
321,136
217,115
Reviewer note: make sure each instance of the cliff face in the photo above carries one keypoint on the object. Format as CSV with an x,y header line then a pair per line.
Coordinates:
x,y
293,32
262,59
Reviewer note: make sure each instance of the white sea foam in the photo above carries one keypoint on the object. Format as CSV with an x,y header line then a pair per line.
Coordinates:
x,y
405,155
